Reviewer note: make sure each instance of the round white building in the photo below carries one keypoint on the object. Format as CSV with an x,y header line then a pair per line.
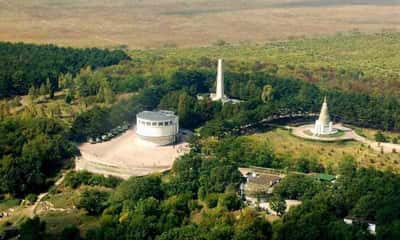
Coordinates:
x,y
158,127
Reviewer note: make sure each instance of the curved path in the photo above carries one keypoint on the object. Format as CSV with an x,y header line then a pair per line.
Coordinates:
x,y
378,146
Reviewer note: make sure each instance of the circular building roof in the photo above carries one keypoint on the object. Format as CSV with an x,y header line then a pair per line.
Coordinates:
x,y
156,115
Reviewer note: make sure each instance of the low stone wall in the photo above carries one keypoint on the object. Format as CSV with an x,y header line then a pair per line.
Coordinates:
x,y
93,164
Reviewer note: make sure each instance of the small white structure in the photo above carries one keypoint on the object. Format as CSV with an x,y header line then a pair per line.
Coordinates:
x,y
323,126
157,127
371,227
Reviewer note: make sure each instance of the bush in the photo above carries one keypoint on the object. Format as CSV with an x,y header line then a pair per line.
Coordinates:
x,y
76,179
136,188
70,232
278,204
31,197
230,201
93,201
380,137
212,200
32,229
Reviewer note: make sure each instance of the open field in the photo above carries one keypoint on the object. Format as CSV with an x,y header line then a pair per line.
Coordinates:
x,y
329,154
188,23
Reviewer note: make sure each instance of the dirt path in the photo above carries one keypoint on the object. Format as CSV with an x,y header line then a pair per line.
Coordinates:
x,y
32,209
377,146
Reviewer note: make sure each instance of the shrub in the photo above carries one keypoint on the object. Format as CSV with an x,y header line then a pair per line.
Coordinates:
x,y
230,201
70,232
380,137
93,201
31,197
76,179
212,200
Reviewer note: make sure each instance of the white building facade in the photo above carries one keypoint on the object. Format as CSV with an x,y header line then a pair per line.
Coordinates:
x,y
157,127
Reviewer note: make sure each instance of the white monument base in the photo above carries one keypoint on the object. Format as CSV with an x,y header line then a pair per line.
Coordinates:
x,y
322,129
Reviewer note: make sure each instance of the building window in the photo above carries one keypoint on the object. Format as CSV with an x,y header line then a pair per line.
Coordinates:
x,y
147,123
165,123
160,123
154,124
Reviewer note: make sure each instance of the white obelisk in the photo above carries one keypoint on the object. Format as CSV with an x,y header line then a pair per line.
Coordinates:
x,y
220,82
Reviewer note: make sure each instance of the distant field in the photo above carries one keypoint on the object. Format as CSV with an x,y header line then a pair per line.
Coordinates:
x,y
349,61
153,23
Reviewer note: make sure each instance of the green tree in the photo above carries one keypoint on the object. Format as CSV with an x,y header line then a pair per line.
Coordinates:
x,y
69,97
105,93
136,188
266,94
252,226
33,93
49,88
70,232
32,229
93,201
66,80
278,204
230,200
185,109
189,232
380,137
42,90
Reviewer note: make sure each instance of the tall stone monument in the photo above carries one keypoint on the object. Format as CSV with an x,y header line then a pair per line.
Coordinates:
x,y
219,94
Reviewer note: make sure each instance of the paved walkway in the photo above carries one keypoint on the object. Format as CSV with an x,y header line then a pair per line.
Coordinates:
x,y
266,206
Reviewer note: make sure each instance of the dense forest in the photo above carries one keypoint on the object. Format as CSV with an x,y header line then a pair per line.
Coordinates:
x,y
23,66
31,152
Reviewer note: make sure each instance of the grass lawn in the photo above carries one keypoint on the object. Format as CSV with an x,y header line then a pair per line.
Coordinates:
x,y
66,198
55,221
6,204
329,154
